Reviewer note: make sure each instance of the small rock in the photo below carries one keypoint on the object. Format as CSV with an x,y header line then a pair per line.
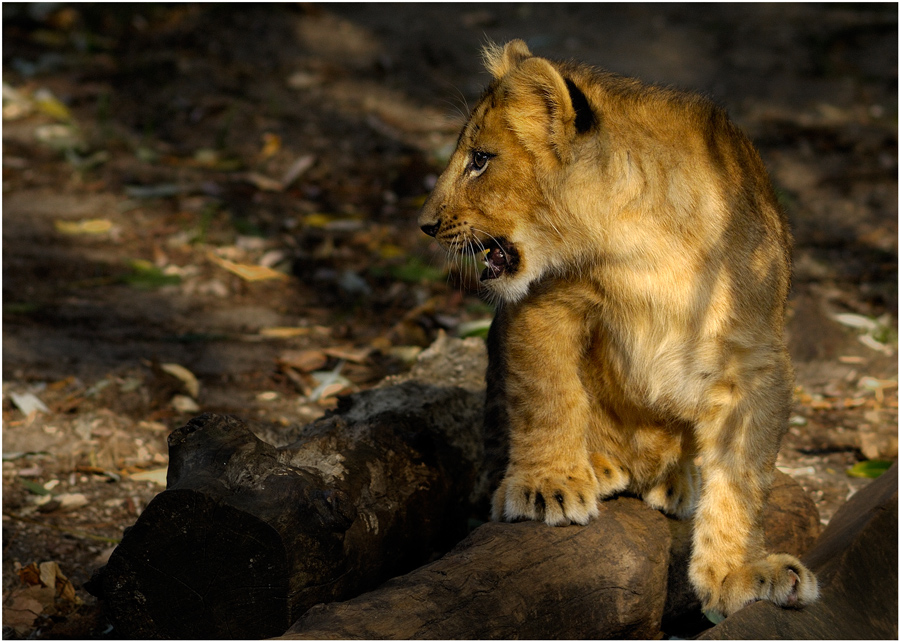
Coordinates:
x,y
185,376
71,501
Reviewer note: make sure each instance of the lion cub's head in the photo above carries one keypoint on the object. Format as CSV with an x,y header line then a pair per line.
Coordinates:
x,y
494,198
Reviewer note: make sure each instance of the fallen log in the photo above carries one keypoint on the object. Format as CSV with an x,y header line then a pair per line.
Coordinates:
x,y
521,581
621,576
247,537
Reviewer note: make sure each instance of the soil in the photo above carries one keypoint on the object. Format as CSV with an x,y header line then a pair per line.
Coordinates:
x,y
213,208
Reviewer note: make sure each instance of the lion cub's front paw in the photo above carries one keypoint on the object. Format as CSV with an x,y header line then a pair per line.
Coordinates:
x,y
555,495
778,578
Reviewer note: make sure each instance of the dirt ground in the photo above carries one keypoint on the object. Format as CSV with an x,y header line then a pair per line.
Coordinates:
x,y
212,208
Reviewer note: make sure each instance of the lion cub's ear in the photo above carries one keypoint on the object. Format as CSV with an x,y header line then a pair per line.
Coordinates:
x,y
540,110
500,60
538,99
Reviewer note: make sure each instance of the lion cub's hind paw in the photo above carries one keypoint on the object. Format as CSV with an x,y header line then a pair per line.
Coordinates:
x,y
778,578
611,476
678,494
555,498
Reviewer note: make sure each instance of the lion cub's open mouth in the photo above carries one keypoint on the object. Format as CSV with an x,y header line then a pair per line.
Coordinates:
x,y
500,257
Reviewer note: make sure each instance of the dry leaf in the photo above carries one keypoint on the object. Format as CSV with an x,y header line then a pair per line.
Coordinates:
x,y
183,403
406,354
271,145
303,360
59,136
191,385
247,271
48,572
358,355
15,104
330,390
330,383
281,332
391,251
262,182
317,220
157,476
88,226
64,589
28,403
855,321
22,610
48,104
30,574
871,342
46,582
296,170
71,501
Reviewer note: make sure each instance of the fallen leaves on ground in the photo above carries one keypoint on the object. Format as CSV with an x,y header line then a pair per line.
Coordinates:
x,y
44,591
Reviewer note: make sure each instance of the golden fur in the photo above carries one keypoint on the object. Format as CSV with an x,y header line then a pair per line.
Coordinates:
x,y
641,264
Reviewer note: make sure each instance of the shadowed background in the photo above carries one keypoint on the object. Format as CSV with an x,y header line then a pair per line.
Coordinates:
x,y
233,190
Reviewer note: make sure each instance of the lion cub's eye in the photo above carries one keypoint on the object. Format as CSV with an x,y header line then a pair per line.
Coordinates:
x,y
479,162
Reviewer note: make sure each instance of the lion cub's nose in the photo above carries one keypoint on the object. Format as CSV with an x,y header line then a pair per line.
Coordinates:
x,y
431,229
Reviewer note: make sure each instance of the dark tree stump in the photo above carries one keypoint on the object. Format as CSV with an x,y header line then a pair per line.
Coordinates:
x,y
247,537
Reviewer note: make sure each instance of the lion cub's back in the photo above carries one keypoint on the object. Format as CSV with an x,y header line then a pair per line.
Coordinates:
x,y
681,179
687,133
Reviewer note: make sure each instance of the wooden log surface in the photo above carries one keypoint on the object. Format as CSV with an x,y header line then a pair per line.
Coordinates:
x,y
247,537
623,576
521,581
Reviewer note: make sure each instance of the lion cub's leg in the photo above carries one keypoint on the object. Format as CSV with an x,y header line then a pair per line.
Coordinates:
x,y
739,437
550,476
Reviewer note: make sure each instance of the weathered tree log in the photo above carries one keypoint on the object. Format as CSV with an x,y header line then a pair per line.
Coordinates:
x,y
247,536
521,581
531,581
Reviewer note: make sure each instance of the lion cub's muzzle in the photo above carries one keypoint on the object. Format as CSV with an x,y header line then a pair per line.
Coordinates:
x,y
499,256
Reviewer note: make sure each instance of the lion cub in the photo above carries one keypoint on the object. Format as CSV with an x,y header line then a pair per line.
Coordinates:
x,y
641,263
